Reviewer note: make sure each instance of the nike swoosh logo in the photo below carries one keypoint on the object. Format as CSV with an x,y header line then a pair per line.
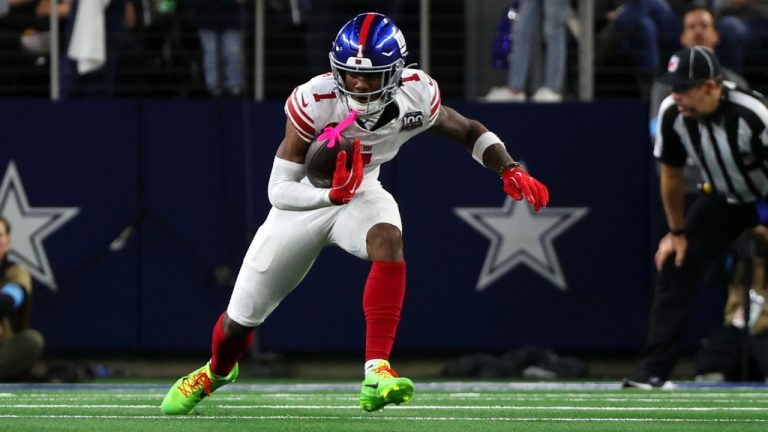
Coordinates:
x,y
373,386
304,103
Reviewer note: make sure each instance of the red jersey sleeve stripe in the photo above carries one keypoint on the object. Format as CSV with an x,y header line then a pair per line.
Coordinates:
x,y
301,133
299,106
435,106
304,130
436,95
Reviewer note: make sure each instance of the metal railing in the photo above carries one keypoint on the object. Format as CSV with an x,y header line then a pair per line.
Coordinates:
x,y
286,45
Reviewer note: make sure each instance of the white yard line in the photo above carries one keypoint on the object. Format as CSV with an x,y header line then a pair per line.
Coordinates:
x,y
421,397
404,408
456,386
371,417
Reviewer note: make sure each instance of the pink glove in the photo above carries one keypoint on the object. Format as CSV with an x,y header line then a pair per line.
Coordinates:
x,y
345,182
519,184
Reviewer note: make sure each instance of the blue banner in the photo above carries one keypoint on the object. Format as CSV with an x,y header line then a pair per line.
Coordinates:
x,y
134,217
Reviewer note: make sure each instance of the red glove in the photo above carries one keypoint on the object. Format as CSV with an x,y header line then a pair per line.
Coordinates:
x,y
519,184
345,182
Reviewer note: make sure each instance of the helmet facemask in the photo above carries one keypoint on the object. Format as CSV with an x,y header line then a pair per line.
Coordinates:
x,y
370,102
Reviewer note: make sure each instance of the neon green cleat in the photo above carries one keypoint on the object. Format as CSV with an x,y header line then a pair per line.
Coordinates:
x,y
189,390
382,386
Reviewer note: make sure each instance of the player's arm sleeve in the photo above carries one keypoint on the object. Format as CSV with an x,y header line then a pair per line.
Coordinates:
x,y
668,147
299,112
286,191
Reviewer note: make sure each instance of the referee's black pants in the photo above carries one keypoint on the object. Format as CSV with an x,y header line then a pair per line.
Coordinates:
x,y
711,225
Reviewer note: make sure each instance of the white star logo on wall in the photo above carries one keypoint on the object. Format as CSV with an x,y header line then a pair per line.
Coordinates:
x,y
30,226
518,235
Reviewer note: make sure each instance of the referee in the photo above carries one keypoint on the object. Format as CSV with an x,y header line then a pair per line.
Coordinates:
x,y
724,131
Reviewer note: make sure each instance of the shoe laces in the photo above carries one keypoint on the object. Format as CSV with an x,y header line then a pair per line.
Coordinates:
x,y
384,371
196,382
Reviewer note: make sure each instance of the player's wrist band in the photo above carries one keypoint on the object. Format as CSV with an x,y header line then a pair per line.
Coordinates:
x,y
482,143
512,165
677,231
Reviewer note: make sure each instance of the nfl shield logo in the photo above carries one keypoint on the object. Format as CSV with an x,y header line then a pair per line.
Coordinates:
x,y
674,62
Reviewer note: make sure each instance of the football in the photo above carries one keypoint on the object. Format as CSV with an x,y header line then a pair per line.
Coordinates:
x,y
320,161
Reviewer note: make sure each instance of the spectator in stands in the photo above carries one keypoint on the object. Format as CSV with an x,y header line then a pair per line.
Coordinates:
x,y
14,17
25,45
20,346
744,27
99,81
529,22
646,29
35,38
733,352
220,26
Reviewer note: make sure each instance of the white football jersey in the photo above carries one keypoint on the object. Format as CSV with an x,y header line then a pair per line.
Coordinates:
x,y
313,106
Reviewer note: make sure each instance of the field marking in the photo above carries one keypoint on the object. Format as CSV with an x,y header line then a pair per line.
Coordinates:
x,y
37,406
407,408
389,418
688,386
500,407
627,395
421,397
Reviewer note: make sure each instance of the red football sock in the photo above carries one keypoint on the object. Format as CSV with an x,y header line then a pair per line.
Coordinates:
x,y
227,351
382,303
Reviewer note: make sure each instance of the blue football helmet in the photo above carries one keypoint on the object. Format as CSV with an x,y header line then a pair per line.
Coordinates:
x,y
369,43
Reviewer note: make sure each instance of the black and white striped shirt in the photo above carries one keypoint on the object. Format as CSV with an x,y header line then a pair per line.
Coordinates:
x,y
730,146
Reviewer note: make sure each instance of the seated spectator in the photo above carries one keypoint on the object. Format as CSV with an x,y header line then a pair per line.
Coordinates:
x,y
647,30
20,346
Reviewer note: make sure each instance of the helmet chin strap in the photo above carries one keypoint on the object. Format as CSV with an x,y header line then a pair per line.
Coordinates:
x,y
365,109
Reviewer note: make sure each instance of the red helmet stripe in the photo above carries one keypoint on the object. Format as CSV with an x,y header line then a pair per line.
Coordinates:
x,y
364,33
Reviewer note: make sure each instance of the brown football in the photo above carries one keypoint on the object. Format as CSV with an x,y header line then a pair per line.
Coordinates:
x,y
320,161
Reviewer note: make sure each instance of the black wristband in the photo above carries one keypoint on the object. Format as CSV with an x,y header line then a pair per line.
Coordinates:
x,y
677,231
512,164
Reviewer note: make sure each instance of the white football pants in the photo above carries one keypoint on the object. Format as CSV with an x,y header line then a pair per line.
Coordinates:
x,y
288,242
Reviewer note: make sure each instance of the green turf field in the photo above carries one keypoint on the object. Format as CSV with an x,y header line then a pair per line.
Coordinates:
x,y
445,407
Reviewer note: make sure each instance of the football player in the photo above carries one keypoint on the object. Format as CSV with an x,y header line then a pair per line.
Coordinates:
x,y
394,103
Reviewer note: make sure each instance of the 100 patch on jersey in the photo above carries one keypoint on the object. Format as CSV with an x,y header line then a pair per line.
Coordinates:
x,y
412,120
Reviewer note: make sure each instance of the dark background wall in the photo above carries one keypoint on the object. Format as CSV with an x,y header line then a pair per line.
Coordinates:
x,y
185,183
